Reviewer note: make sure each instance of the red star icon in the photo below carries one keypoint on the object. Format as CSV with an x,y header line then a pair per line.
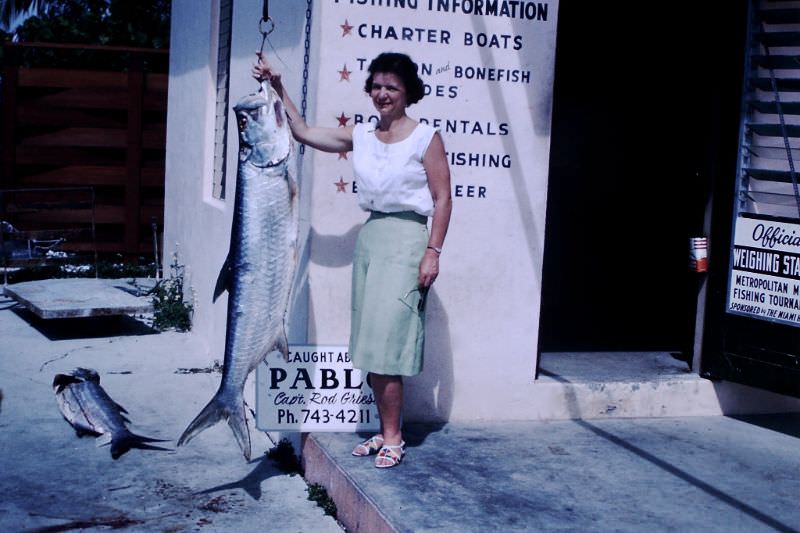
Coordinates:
x,y
346,28
343,155
342,120
341,184
344,74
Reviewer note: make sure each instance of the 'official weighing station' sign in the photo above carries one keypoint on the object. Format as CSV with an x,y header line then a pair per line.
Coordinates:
x,y
765,270
317,389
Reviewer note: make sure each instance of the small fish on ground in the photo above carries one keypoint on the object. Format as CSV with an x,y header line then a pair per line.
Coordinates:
x,y
91,411
260,269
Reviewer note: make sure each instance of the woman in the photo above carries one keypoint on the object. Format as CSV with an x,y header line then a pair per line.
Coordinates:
x,y
403,178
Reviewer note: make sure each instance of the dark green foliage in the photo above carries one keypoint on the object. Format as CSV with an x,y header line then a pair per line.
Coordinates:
x,y
10,9
317,493
140,24
68,21
286,460
170,311
108,269
284,457
143,23
105,269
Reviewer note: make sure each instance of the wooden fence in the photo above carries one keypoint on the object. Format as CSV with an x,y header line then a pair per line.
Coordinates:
x,y
105,129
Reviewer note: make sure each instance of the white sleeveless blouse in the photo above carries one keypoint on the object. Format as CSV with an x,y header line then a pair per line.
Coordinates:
x,y
390,177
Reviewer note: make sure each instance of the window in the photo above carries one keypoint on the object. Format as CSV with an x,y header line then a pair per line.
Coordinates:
x,y
221,114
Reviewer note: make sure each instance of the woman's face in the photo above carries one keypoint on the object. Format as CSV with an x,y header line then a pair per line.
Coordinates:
x,y
388,93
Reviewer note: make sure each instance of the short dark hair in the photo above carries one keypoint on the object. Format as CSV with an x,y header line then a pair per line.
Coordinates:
x,y
404,68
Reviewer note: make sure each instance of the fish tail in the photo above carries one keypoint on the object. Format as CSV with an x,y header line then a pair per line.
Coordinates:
x,y
216,410
238,424
128,440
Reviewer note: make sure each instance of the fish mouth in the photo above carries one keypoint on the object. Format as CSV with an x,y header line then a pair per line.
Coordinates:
x,y
268,164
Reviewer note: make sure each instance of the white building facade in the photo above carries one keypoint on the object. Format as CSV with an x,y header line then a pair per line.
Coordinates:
x,y
489,71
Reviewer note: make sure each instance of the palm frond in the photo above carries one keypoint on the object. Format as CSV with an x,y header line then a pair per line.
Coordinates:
x,y
11,9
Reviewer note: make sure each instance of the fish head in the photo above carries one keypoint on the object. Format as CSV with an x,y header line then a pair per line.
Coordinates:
x,y
264,135
78,375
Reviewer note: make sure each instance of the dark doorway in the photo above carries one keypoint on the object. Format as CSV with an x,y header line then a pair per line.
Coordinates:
x,y
632,143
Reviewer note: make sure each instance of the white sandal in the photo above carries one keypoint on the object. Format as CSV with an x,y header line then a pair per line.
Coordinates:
x,y
390,456
369,446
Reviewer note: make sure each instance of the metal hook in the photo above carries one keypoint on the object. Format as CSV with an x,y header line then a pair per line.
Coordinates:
x,y
271,27
264,32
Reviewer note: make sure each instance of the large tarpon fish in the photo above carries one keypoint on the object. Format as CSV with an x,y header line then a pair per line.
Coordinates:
x,y
260,268
91,411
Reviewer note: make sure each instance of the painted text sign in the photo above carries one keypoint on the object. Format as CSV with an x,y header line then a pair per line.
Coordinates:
x,y
765,271
317,389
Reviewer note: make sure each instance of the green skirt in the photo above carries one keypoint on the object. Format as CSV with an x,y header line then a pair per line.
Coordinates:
x,y
388,317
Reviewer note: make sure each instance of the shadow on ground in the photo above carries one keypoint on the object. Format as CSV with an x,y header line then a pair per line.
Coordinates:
x,y
251,483
56,329
786,423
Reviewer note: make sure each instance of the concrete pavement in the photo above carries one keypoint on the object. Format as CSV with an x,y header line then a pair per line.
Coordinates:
x,y
54,481
710,473
659,474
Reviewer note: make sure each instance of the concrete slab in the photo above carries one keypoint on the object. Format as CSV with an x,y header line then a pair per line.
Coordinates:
x,y
712,473
54,481
80,297
603,367
659,474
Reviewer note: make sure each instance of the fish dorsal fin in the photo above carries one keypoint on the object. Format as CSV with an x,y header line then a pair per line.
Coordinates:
x,y
87,374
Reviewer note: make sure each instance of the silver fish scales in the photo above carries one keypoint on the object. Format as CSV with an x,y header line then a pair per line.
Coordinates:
x,y
91,411
260,268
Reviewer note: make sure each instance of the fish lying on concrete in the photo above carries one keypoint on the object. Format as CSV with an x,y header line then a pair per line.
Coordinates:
x,y
260,268
91,411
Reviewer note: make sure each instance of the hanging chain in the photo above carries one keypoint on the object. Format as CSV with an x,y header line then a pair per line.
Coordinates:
x,y
306,59
784,132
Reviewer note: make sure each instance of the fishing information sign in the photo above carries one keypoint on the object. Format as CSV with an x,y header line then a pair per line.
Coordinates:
x,y
487,69
317,389
765,270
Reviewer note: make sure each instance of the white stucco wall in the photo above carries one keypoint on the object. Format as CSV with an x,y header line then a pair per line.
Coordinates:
x,y
483,313
482,316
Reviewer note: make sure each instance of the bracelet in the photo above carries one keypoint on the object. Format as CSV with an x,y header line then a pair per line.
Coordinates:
x,y
435,249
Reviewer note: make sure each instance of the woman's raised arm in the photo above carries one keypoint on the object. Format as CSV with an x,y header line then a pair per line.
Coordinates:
x,y
325,139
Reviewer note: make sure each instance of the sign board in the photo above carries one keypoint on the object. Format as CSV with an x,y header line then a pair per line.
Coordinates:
x,y
475,59
765,270
317,389
488,72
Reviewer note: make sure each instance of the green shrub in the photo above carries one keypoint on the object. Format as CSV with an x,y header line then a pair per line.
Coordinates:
x,y
170,309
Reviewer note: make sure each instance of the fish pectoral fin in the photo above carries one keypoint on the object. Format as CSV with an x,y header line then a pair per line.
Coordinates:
x,y
282,344
103,440
223,280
